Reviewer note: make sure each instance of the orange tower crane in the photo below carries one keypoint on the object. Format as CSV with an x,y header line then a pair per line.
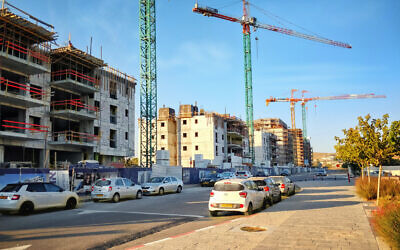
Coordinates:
x,y
247,21
304,100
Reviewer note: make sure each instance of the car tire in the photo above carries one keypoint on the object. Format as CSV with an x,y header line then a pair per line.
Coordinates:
x,y
280,198
26,208
271,201
161,191
179,189
95,200
265,203
139,194
115,198
71,203
249,210
213,213
294,191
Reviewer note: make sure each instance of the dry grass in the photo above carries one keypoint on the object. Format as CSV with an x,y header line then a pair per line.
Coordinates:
x,y
387,223
390,189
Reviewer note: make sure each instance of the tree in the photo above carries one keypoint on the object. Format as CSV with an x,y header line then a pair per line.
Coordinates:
x,y
372,141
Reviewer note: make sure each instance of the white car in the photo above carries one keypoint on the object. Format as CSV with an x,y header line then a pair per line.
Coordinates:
x,y
161,185
243,174
236,195
27,197
115,189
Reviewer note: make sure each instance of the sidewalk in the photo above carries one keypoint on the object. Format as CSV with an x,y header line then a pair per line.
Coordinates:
x,y
325,215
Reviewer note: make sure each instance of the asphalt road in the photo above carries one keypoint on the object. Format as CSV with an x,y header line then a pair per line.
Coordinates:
x,y
104,225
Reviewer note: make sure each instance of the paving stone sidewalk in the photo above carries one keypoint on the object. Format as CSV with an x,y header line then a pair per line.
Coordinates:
x,y
325,215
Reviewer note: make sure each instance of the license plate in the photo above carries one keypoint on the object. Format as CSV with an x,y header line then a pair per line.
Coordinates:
x,y
99,195
226,205
206,182
145,191
3,197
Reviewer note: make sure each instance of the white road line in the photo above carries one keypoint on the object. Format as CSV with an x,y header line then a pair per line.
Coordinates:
x,y
236,219
204,228
157,241
130,212
18,248
196,202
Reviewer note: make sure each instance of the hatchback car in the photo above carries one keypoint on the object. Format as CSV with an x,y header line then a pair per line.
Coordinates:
x,y
243,174
321,172
227,175
161,185
27,197
271,189
236,195
209,180
115,189
287,186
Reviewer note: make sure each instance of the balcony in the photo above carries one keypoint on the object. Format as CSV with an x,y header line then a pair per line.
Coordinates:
x,y
73,109
18,130
72,80
75,139
23,59
21,94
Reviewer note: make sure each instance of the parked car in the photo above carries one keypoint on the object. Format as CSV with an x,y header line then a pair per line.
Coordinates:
x,y
321,172
243,174
115,189
161,185
271,189
210,179
227,175
28,197
287,186
236,195
285,172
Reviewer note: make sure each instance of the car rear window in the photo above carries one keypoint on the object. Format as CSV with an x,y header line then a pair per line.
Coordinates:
x,y
278,179
241,172
11,188
102,183
260,183
228,187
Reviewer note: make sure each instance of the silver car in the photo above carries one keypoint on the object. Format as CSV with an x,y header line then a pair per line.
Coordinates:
x,y
115,189
287,186
27,197
271,189
161,185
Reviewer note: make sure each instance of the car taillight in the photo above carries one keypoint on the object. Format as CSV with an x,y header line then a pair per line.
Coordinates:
x,y
282,185
92,188
241,205
266,189
109,189
245,175
212,205
15,197
243,194
212,194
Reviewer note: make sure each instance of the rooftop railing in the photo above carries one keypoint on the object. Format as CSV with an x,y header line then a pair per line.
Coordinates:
x,y
69,74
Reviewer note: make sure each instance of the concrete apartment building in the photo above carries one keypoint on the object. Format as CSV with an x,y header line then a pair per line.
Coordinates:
x,y
284,140
265,149
298,146
60,104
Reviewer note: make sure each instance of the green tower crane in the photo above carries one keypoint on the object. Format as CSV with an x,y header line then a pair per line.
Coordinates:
x,y
148,82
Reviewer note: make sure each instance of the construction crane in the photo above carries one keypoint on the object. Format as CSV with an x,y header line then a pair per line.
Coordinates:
x,y
148,82
304,100
247,21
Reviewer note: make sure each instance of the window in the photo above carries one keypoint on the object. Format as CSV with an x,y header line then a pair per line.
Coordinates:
x,y
216,150
196,147
128,182
162,136
173,179
113,114
97,104
184,122
195,121
113,90
184,148
216,137
52,188
126,112
36,187
119,182
162,124
167,180
96,130
196,134
113,138
162,148
223,150
126,136
184,135
223,137
34,120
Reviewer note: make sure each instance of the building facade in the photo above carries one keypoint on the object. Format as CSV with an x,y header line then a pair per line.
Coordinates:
x,y
265,148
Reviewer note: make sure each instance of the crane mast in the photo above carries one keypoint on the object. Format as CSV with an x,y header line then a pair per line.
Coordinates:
x,y
148,82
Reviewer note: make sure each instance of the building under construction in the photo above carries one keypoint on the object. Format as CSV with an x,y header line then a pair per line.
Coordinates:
x,y
298,146
60,104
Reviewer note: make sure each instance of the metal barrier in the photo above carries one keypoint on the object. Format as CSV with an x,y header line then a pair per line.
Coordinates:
x,y
75,76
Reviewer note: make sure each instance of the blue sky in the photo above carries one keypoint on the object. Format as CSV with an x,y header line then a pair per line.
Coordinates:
x,y
201,59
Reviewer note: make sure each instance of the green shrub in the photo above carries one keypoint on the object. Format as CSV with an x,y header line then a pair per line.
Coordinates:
x,y
386,222
390,188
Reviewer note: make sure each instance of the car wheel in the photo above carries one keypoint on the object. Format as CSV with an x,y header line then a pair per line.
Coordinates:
x,y
271,201
213,213
294,191
179,189
71,203
26,208
280,197
249,210
95,200
139,195
265,202
115,198
161,191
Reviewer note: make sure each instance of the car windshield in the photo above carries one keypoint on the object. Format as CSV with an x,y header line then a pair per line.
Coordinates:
x,y
278,179
156,179
226,174
228,187
102,183
211,176
11,188
241,172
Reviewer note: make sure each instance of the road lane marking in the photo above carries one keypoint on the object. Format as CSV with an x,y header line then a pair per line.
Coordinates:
x,y
18,248
157,241
204,228
196,202
145,213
